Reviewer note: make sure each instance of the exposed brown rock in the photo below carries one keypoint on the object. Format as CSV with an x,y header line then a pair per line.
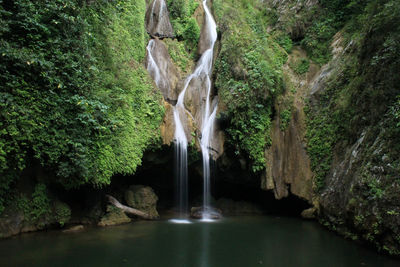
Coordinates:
x,y
165,74
157,20
288,165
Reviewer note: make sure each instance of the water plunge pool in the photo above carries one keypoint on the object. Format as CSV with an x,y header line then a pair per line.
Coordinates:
x,y
235,241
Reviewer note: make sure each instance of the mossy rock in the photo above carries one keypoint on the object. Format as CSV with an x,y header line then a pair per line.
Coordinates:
x,y
114,216
142,198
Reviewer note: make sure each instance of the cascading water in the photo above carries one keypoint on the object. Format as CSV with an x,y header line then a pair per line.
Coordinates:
x,y
153,68
203,69
203,72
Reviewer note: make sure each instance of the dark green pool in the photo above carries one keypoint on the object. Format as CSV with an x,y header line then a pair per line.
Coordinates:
x,y
239,241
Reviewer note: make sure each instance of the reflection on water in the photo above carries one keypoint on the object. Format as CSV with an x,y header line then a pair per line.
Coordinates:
x,y
240,241
205,246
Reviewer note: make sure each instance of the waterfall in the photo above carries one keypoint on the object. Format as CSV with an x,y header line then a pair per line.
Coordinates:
x,y
203,72
153,68
208,120
204,68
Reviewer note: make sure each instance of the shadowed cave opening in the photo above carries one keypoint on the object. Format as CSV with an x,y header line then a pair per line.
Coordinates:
x,y
157,171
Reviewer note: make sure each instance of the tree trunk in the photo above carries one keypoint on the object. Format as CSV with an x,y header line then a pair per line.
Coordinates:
x,y
129,210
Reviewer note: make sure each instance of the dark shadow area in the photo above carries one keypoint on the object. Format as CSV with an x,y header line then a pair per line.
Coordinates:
x,y
236,183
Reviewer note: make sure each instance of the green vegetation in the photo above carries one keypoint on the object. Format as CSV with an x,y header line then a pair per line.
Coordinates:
x,y
40,208
73,92
363,91
248,76
180,56
185,25
40,203
284,41
62,212
301,66
285,117
333,15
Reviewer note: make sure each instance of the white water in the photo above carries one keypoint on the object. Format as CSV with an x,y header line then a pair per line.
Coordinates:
x,y
153,68
203,69
209,118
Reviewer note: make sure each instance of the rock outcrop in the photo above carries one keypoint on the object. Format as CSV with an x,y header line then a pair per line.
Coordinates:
x,y
288,165
114,216
162,70
157,20
294,17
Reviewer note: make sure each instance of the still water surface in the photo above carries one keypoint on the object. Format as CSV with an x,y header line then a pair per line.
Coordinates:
x,y
238,241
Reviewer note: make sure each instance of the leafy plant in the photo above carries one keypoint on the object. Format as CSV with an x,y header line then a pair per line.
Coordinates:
x,y
248,77
285,117
301,66
74,94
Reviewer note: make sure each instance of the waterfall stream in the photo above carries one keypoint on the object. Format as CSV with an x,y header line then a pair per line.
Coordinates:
x,y
203,71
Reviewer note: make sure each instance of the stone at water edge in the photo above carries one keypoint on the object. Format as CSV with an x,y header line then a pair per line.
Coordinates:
x,y
309,213
114,216
142,198
213,213
75,228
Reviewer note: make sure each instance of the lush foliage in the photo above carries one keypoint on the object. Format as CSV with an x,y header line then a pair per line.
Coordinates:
x,y
285,117
300,66
364,89
73,94
248,77
332,16
179,54
185,25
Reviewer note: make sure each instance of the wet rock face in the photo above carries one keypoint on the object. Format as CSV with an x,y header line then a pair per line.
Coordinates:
x,y
195,100
162,70
288,165
289,168
11,224
142,198
157,20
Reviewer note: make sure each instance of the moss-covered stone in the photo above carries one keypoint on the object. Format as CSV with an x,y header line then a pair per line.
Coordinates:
x,y
114,216
142,198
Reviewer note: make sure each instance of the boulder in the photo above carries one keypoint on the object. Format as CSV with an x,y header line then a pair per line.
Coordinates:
x,y
114,216
142,198
75,228
310,213
212,213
